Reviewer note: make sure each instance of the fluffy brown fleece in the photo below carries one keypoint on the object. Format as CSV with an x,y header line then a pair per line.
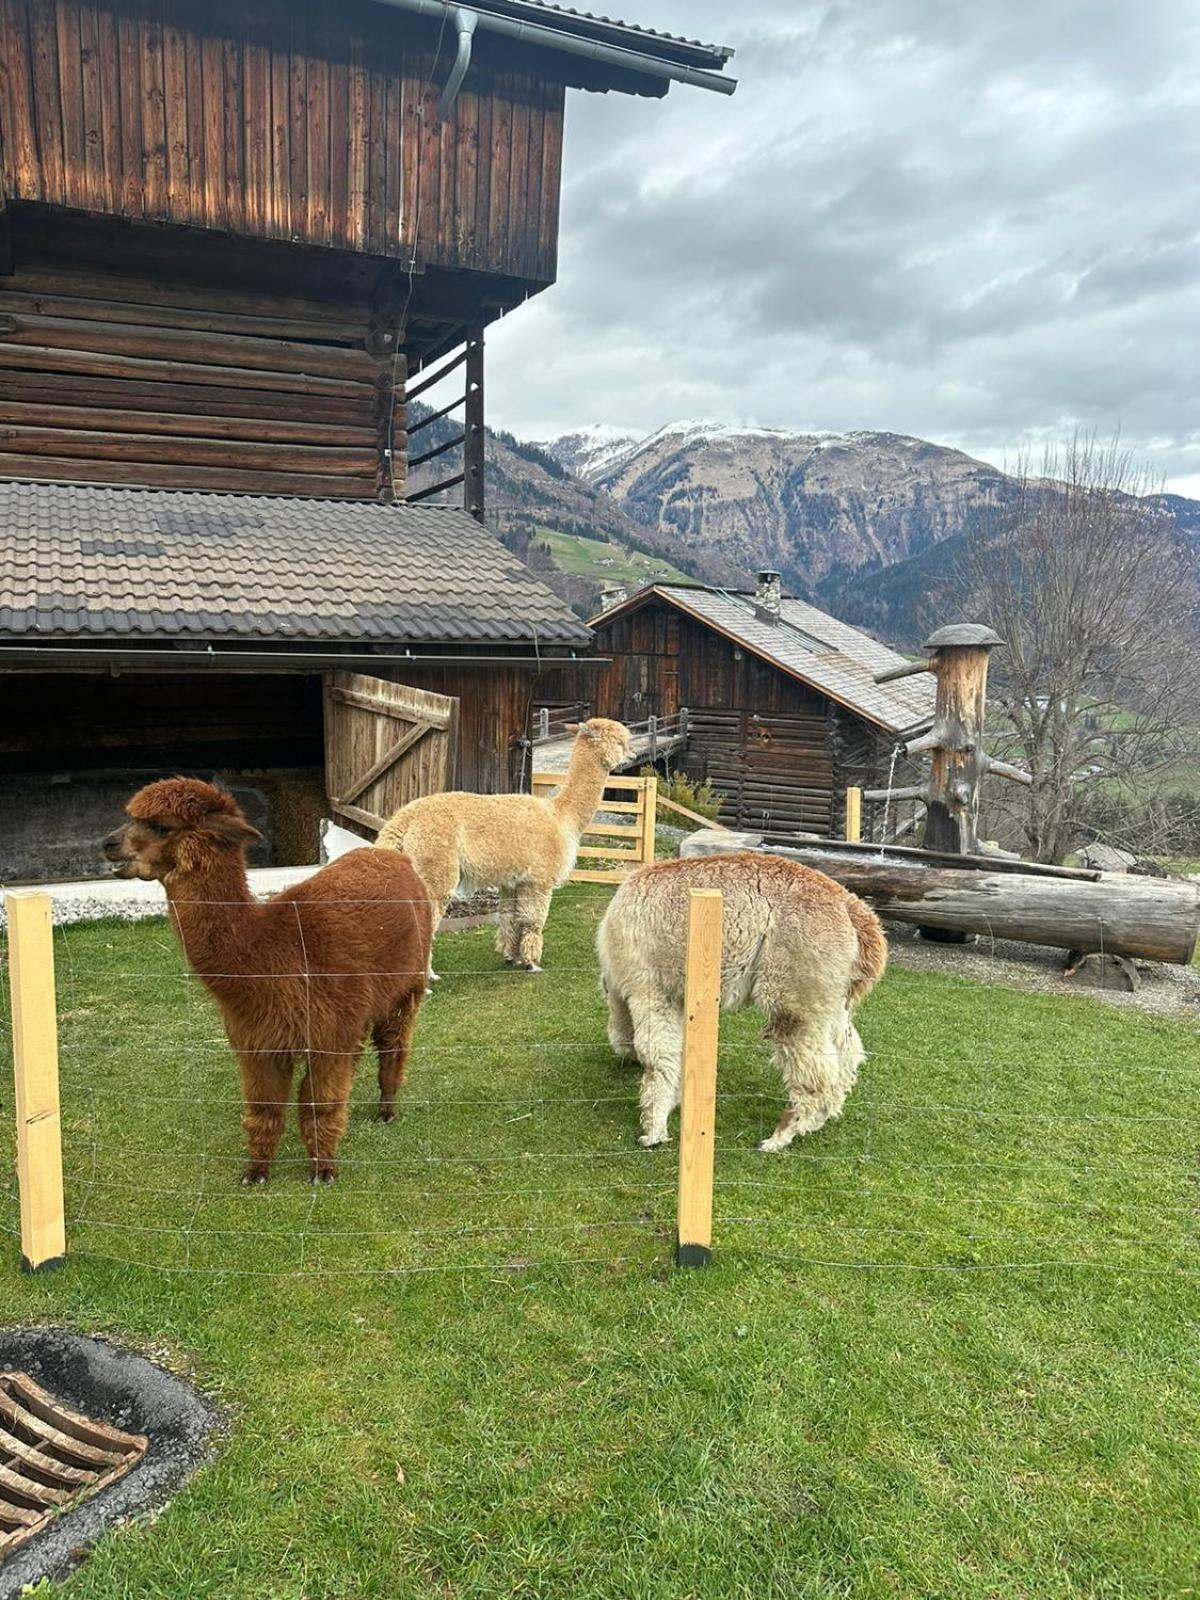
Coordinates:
x,y
305,975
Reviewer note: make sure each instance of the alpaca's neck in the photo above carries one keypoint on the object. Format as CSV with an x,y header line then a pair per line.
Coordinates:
x,y
214,915
582,791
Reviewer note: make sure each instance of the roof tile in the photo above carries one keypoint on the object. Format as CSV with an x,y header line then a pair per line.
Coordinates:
x,y
808,644
81,561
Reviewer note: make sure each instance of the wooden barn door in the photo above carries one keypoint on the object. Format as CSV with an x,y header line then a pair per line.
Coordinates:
x,y
385,744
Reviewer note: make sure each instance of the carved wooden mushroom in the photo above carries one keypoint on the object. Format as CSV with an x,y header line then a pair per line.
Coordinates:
x,y
959,660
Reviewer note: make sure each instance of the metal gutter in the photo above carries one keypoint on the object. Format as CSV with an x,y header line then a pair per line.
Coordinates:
x,y
465,21
267,660
572,44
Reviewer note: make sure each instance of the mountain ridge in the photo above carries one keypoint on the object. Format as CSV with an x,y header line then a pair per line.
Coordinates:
x,y
866,524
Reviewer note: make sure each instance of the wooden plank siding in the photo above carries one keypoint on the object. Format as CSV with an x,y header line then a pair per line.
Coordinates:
x,y
780,754
493,712
190,383
303,123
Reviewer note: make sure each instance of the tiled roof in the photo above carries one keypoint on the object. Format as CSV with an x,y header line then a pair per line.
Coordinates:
x,y
81,562
592,23
808,644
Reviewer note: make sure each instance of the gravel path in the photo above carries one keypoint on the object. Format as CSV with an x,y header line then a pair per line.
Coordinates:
x,y
130,900
1166,991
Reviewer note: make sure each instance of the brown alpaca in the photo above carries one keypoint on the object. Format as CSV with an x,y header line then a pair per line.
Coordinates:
x,y
309,973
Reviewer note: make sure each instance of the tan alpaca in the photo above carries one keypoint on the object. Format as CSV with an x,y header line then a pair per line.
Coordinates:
x,y
520,844
795,943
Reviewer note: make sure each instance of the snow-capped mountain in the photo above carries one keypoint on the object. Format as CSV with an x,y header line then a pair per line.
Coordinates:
x,y
815,505
589,451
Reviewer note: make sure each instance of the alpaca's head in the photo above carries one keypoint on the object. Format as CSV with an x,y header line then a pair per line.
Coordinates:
x,y
607,742
177,823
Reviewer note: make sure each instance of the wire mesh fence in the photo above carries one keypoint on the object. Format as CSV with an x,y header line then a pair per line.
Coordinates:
x,y
510,1143
981,1136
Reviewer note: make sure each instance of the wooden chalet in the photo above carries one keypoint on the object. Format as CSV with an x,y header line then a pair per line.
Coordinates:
x,y
783,711
235,241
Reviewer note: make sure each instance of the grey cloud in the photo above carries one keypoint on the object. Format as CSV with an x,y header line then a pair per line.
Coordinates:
x,y
973,222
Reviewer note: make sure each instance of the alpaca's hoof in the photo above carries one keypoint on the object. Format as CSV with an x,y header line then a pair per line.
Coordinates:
x,y
771,1146
653,1141
255,1173
386,1114
434,977
325,1173
531,966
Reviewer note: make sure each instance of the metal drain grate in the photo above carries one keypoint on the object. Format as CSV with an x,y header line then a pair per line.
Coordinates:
x,y
51,1457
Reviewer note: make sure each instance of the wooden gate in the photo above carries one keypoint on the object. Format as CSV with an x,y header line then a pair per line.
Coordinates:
x,y
385,744
638,802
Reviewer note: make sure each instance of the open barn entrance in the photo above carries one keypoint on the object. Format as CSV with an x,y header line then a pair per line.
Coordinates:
x,y
75,745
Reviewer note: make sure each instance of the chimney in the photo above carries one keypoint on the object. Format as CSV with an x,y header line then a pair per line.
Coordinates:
x,y
612,595
768,597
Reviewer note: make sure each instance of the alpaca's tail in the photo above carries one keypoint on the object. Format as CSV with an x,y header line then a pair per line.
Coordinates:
x,y
872,950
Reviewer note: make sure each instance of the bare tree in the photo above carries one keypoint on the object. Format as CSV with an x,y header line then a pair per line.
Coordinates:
x,y
1095,591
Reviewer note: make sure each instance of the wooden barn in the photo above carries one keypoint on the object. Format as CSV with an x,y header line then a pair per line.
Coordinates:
x,y
234,243
783,711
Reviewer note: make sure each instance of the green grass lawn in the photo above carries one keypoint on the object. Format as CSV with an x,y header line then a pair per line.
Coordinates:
x,y
582,558
948,1346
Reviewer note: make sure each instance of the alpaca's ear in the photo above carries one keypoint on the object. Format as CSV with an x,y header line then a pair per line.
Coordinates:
x,y
233,830
572,727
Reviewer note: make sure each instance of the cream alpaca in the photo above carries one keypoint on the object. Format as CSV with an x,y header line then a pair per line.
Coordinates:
x,y
795,943
518,843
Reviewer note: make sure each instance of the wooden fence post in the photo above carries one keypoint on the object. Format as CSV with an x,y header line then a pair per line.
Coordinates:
x,y
35,1071
649,817
698,1114
853,815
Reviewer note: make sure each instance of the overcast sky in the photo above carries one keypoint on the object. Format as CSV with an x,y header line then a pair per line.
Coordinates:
x,y
976,221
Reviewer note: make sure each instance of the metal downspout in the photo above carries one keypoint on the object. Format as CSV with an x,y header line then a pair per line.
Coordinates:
x,y
466,22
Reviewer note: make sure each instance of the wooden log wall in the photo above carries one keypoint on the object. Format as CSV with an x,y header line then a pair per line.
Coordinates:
x,y
862,757
301,122
762,738
152,381
773,772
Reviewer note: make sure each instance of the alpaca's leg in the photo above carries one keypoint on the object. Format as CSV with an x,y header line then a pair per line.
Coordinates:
x,y
808,1057
533,907
266,1083
393,1039
658,1040
507,936
439,908
620,1024
439,876
325,1110
850,1052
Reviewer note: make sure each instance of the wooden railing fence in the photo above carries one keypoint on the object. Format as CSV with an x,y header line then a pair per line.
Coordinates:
x,y
635,838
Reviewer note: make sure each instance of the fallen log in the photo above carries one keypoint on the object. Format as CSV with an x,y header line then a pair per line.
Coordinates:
x,y
1154,918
